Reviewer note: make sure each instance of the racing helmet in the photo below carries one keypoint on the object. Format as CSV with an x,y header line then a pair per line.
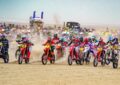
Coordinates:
x,y
55,35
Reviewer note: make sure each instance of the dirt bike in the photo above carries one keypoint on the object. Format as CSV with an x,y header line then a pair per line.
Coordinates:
x,y
73,55
4,54
48,55
112,56
21,53
100,57
60,51
60,47
87,56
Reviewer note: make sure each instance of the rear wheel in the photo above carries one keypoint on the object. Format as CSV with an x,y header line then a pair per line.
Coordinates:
x,y
44,59
69,60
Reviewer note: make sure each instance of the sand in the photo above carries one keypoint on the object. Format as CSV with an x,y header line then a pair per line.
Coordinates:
x,y
58,74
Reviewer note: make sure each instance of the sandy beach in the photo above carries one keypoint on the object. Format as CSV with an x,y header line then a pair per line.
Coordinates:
x,y
58,74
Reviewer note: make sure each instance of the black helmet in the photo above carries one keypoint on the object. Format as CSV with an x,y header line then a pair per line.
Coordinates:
x,y
90,40
55,35
3,36
81,39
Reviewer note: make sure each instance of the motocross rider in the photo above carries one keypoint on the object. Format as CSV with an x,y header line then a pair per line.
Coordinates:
x,y
101,44
52,42
28,44
76,42
5,43
89,42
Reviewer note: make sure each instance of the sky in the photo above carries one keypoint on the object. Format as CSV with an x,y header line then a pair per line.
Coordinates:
x,y
87,12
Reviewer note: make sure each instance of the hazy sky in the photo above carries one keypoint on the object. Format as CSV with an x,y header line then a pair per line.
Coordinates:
x,y
98,12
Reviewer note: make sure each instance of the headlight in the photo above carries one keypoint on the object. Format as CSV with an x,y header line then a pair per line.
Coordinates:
x,y
81,49
47,46
22,46
99,49
87,47
1,44
115,51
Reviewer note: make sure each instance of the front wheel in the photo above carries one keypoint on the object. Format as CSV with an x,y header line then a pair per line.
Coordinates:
x,y
115,65
103,62
20,59
59,54
87,57
17,53
95,62
27,60
87,60
52,61
81,61
115,62
69,60
44,59
107,61
6,59
77,62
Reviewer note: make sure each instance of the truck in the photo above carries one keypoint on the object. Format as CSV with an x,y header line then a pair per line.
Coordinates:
x,y
72,25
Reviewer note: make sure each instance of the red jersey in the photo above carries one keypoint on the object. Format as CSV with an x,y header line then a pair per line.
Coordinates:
x,y
54,41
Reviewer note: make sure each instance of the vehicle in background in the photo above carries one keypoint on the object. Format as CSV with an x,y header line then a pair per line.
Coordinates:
x,y
72,25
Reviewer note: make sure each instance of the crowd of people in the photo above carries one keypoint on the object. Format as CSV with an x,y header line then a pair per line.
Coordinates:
x,y
81,40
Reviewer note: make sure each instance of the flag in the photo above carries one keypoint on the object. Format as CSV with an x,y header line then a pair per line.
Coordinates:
x,y
34,14
42,15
